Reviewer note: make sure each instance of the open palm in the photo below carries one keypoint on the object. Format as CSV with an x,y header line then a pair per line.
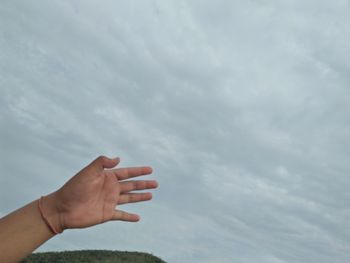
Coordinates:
x,y
92,195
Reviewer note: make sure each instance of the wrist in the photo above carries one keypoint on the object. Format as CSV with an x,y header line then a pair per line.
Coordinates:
x,y
50,213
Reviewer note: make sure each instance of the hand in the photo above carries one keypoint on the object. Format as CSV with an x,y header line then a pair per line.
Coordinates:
x,y
92,195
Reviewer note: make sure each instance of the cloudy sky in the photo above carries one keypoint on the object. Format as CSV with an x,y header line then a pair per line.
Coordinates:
x,y
241,107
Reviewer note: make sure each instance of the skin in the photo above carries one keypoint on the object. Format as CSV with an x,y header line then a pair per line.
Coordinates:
x,y
91,197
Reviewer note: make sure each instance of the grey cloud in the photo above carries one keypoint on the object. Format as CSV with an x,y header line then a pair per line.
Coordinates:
x,y
240,107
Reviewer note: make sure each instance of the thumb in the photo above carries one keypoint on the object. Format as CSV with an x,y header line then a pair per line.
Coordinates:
x,y
105,162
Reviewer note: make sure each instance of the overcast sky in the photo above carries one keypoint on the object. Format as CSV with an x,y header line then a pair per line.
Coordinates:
x,y
241,107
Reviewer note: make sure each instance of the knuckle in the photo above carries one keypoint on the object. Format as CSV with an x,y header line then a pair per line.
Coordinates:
x,y
101,158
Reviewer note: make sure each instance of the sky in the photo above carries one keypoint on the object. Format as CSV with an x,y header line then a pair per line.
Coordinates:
x,y
242,108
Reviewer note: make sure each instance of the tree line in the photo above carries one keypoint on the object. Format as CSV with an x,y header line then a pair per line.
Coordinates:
x,y
92,256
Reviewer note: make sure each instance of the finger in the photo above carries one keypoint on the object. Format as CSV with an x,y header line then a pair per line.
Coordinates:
x,y
105,162
109,163
126,173
128,186
134,198
125,216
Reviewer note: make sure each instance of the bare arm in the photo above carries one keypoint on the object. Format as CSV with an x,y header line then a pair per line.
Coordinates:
x,y
89,198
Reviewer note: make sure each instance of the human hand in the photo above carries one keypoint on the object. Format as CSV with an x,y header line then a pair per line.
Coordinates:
x,y
92,195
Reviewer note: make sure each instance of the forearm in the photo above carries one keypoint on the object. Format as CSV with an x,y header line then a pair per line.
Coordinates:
x,y
21,232
89,198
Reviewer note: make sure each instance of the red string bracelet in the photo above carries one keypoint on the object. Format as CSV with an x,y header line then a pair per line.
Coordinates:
x,y
53,230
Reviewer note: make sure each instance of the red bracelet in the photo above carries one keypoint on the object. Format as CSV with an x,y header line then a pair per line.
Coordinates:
x,y
53,230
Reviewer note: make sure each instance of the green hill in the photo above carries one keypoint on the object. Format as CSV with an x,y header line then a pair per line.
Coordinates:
x,y
92,256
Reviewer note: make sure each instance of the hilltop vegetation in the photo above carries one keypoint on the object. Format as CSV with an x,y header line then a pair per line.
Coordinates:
x,y
92,256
